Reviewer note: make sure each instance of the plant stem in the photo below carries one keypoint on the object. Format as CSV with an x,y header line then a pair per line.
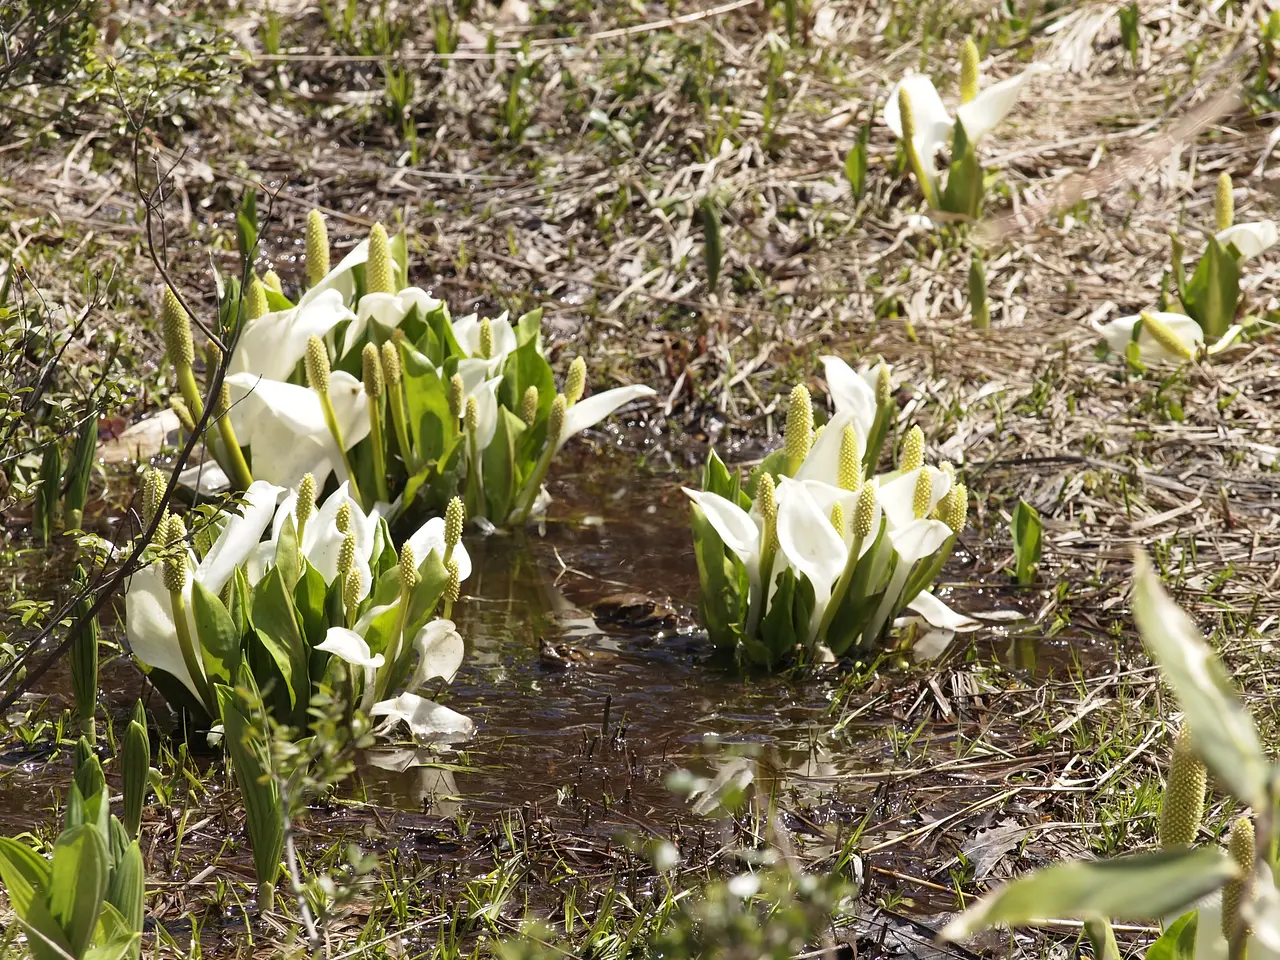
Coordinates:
x,y
241,475
841,587
890,599
379,451
534,483
395,400
331,421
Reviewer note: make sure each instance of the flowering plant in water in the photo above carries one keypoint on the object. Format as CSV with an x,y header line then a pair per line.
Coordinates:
x,y
371,380
296,594
915,113
817,552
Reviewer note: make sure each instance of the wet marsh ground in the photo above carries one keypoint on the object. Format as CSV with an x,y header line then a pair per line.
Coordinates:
x,y
562,164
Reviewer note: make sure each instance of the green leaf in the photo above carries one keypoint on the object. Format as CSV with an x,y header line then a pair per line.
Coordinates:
x,y
79,471
529,328
1026,528
78,883
135,771
25,874
777,629
855,164
431,424
1178,942
258,788
963,193
46,505
126,891
277,301
1146,886
500,469
247,224
216,633
713,252
1103,938
287,559
309,601
525,368
722,599
1211,295
276,624
1222,732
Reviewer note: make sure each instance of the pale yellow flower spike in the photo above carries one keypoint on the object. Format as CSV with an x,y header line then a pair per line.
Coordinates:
x,y
1224,205
968,70
1183,806
1162,335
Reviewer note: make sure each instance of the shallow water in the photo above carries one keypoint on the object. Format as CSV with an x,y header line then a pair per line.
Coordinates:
x,y
583,712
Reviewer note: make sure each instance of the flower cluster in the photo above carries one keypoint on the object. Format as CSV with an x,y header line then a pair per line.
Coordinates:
x,y
818,553
1209,300
371,380
297,594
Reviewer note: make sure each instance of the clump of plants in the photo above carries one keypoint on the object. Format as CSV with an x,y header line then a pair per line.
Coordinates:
x,y
1212,904
916,114
370,380
287,595
1205,322
816,554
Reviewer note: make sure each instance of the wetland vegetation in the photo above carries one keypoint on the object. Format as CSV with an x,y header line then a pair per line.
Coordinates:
x,y
667,479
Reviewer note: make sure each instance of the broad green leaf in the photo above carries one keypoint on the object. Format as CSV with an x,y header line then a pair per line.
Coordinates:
x,y
777,629
1222,732
216,633
1146,886
309,599
529,327
276,624
46,505
78,883
1103,938
1178,942
277,301
500,469
525,368
1213,291
431,424
287,559
24,872
717,479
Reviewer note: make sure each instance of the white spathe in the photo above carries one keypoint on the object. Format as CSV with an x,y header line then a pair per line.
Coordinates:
x,y
1119,333
350,646
149,624
1249,239
283,425
808,540
853,393
342,277
388,310
272,345
587,413
823,462
466,330
440,650
426,720
1212,945
322,540
430,537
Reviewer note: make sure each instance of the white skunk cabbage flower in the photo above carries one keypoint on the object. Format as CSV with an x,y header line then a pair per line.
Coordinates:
x,y
388,310
934,126
149,623
1173,337
272,345
350,646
